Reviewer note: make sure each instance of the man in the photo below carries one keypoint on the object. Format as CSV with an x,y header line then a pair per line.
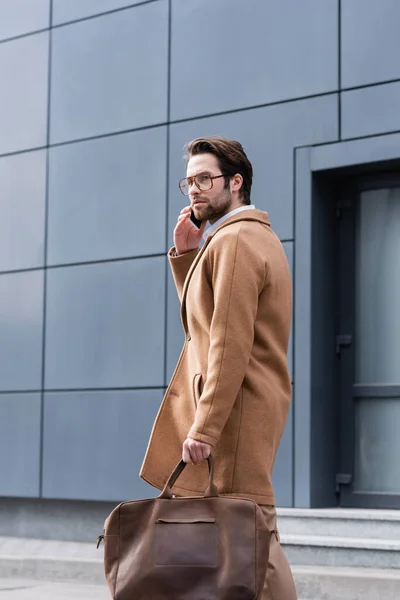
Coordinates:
x,y
231,389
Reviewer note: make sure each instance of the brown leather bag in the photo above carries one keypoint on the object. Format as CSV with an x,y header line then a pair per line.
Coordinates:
x,y
198,548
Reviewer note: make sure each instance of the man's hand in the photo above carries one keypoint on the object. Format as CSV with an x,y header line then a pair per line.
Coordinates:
x,y
186,236
194,452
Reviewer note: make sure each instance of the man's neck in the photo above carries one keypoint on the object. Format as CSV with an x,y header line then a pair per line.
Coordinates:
x,y
233,206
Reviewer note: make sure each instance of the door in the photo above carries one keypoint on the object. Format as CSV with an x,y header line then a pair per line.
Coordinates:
x,y
368,344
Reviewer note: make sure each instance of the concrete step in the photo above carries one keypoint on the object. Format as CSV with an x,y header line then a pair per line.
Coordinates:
x,y
363,523
77,562
25,589
341,551
50,560
333,583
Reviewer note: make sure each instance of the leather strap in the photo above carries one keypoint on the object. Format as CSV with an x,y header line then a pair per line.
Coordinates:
x,y
211,491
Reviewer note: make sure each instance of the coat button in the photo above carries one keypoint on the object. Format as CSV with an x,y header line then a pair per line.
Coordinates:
x,y
188,337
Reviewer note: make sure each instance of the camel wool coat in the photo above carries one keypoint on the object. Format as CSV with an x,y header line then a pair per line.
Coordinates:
x,y
231,387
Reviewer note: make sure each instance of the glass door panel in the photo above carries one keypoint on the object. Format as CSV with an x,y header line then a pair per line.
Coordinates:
x,y
377,342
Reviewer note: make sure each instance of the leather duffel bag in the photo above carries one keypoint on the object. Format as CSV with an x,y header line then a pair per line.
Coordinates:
x,y
199,548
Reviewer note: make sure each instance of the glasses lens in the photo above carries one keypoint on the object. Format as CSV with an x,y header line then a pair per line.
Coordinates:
x,y
183,186
203,182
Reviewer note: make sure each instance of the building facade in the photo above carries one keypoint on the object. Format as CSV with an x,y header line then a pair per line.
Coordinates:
x,y
98,98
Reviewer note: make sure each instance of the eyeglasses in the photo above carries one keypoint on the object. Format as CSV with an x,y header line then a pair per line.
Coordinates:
x,y
203,181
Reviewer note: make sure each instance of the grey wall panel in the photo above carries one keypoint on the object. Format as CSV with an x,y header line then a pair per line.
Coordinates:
x,y
110,73
249,53
107,198
380,110
23,98
21,316
22,16
70,10
23,198
269,136
282,476
19,444
105,325
366,151
94,444
370,41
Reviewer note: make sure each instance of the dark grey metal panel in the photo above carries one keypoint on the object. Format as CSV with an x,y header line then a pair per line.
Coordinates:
x,y
23,98
246,54
324,389
22,16
370,41
94,444
371,110
21,316
120,83
105,325
269,136
356,152
19,444
69,10
302,332
376,391
282,477
107,198
23,197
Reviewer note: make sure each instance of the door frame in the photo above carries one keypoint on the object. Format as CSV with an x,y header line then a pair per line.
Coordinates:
x,y
315,459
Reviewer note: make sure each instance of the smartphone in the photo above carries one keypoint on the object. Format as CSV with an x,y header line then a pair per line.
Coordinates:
x,y
195,221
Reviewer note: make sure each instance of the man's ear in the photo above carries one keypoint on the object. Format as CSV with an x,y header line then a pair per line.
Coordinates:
x,y
236,182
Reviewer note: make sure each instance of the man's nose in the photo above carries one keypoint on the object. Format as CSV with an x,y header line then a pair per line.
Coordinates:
x,y
193,189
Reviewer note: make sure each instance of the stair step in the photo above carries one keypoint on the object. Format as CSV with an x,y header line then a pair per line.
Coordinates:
x,y
341,551
364,523
339,542
334,583
51,560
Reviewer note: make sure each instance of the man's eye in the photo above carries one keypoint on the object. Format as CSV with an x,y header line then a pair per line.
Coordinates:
x,y
203,178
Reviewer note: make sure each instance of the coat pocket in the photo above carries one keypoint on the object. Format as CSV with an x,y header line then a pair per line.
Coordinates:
x,y
197,388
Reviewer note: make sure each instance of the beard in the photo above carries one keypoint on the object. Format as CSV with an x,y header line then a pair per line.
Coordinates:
x,y
216,209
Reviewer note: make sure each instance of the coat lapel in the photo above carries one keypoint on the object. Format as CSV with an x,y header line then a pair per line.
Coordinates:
x,y
187,280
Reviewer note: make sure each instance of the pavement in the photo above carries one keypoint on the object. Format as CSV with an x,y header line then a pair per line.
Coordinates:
x,y
22,589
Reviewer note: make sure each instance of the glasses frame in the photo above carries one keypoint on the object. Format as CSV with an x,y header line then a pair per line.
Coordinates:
x,y
192,180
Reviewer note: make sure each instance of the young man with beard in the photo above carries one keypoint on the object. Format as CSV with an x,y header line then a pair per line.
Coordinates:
x,y
231,389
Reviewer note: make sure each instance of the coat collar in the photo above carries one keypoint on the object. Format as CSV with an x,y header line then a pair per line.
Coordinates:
x,y
246,215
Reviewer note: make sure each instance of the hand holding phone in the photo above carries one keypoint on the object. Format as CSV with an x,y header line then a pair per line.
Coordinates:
x,y
188,231
196,222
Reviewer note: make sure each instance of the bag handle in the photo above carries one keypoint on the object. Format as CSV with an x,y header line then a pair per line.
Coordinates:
x,y
211,491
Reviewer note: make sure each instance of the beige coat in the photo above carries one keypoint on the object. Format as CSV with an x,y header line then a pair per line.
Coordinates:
x,y
231,387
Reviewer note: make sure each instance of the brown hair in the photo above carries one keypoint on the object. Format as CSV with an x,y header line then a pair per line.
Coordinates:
x,y
231,157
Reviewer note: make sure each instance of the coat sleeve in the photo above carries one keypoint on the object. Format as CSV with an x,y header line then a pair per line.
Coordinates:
x,y
180,266
238,275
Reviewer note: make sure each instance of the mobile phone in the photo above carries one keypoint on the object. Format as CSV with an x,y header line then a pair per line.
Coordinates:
x,y
196,222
